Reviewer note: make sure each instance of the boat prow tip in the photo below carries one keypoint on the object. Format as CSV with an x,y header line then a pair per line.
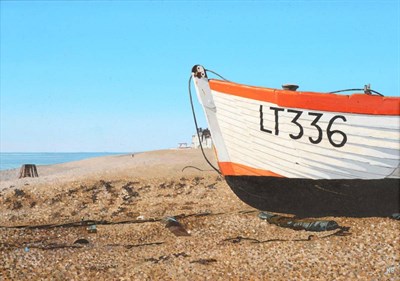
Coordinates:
x,y
199,71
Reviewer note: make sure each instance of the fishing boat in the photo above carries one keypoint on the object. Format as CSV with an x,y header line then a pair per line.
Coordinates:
x,y
305,153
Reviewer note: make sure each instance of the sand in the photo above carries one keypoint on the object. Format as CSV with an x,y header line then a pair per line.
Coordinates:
x,y
129,196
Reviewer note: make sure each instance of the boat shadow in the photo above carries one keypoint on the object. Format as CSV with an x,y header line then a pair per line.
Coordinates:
x,y
319,198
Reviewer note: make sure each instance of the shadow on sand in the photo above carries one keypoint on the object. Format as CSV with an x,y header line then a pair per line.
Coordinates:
x,y
319,198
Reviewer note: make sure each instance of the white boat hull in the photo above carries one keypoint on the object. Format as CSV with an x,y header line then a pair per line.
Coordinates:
x,y
305,153
371,150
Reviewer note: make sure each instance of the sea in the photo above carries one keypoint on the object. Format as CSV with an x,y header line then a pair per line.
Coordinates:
x,y
11,160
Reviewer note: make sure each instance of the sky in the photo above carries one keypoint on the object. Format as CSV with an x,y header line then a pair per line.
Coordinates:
x,y
112,76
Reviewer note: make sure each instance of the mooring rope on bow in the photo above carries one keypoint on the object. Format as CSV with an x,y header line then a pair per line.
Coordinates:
x,y
213,72
197,127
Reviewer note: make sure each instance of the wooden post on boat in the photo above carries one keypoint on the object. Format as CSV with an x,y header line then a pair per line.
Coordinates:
x,y
28,170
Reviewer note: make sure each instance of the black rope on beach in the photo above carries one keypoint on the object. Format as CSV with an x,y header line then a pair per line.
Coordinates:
x,y
343,231
193,167
81,223
86,223
352,90
53,246
197,127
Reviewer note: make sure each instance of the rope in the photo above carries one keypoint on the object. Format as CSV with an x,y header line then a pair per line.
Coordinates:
x,y
207,70
193,167
343,231
197,127
105,222
348,90
334,92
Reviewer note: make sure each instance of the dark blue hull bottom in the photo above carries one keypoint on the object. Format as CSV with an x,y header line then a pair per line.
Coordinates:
x,y
318,198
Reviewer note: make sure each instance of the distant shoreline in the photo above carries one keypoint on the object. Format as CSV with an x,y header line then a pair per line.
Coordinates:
x,y
14,160
150,164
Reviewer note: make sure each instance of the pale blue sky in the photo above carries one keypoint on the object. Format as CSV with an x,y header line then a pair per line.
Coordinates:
x,y
112,75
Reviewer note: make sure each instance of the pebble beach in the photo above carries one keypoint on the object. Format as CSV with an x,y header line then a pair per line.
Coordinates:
x,y
105,219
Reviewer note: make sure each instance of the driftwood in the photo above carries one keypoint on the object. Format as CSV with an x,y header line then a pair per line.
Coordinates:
x,y
28,170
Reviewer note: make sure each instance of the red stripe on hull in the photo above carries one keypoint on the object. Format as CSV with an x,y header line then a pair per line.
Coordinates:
x,y
356,103
234,169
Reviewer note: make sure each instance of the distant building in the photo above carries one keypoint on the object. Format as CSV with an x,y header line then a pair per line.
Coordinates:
x,y
205,137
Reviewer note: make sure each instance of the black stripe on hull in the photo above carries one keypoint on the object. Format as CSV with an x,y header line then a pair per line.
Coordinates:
x,y
317,198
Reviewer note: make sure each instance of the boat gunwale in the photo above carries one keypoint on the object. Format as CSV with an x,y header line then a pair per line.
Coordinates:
x,y
357,103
